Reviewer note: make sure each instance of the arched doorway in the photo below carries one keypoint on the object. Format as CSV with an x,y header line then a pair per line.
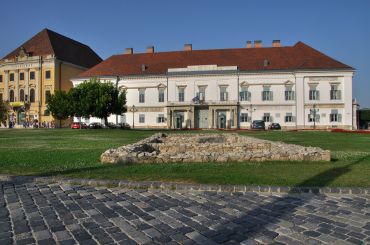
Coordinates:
x,y
221,119
21,115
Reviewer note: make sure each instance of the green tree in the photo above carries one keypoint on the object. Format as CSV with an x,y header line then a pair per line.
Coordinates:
x,y
93,98
60,106
4,110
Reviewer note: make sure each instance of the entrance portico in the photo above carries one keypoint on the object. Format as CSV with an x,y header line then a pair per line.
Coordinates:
x,y
203,116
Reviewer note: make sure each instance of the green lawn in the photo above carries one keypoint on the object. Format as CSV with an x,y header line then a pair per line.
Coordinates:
x,y
75,153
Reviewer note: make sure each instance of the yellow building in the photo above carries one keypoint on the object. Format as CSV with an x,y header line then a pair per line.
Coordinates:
x,y
32,72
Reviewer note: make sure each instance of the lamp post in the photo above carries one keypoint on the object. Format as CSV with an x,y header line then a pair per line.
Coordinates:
x,y
133,109
313,112
251,110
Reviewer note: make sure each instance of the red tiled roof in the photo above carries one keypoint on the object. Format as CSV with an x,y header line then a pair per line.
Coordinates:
x,y
48,42
297,57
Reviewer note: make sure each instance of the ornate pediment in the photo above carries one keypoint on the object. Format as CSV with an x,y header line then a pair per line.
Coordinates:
x,y
161,85
122,88
22,53
244,84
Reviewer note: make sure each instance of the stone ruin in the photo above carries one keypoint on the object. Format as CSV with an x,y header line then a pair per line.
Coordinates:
x,y
228,147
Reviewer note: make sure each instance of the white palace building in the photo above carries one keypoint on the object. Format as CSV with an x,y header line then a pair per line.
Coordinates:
x,y
296,86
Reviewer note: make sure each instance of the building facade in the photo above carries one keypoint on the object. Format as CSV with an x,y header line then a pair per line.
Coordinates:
x,y
40,66
295,86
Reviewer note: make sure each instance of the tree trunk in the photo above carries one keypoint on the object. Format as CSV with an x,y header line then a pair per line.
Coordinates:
x,y
106,121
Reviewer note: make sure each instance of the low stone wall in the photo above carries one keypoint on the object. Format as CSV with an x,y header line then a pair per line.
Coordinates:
x,y
165,148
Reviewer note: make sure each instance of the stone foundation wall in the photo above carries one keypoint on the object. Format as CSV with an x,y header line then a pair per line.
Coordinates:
x,y
166,148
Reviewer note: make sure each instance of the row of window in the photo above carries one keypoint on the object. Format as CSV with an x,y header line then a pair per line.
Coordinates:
x,y
266,117
244,95
160,118
24,97
334,117
244,117
21,76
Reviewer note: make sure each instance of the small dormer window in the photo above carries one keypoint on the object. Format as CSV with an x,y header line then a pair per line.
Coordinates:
x,y
266,62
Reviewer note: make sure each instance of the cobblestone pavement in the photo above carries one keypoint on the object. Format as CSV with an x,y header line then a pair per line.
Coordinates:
x,y
47,214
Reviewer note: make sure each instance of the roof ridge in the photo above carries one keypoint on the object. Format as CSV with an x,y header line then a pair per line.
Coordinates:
x,y
48,42
200,50
49,39
63,36
311,49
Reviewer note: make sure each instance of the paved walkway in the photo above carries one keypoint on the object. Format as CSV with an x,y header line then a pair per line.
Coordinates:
x,y
48,214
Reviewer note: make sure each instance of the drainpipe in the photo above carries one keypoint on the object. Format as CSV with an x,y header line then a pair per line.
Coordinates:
x,y
238,105
168,114
117,80
295,98
40,89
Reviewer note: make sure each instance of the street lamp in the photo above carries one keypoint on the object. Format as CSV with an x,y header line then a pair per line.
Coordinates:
x,y
251,110
133,109
313,112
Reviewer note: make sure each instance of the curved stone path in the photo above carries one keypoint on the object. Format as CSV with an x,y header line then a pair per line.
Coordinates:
x,y
32,213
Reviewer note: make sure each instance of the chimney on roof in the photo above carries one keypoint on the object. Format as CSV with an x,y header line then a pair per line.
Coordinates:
x,y
150,50
257,43
129,51
188,47
249,44
276,43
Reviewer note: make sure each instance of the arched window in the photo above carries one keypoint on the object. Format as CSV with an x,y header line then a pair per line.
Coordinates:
x,y
21,95
11,95
32,95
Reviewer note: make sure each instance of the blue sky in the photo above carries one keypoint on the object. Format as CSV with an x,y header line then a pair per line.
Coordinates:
x,y
341,29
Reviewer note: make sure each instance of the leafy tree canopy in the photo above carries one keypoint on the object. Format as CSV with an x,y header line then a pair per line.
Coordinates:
x,y
4,110
60,106
93,98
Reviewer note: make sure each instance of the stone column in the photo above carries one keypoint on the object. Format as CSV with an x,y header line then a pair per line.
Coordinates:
x,y
215,118
300,102
26,78
16,92
6,85
169,117
236,123
37,78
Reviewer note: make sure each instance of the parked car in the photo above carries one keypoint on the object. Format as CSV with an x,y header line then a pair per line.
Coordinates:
x,y
112,125
258,124
275,126
76,125
96,125
124,126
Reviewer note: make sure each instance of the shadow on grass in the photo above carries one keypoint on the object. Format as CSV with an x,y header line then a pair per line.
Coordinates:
x,y
72,171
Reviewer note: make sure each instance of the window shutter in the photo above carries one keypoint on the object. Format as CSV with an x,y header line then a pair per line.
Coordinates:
x,y
249,96
262,95
318,95
339,94
339,117
272,96
241,96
